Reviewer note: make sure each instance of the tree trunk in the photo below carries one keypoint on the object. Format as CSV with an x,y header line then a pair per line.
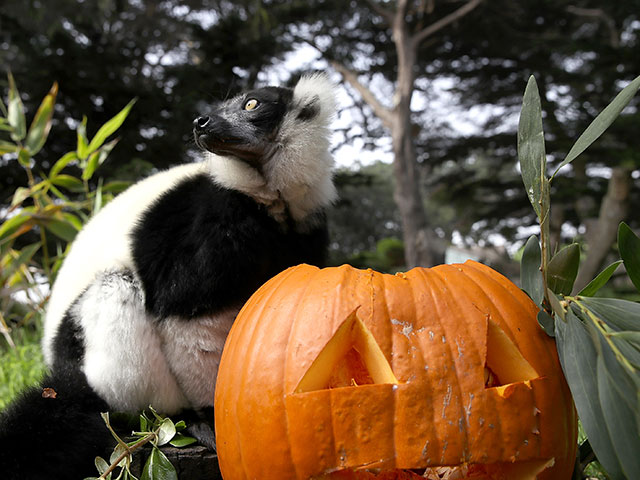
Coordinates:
x,y
420,248
601,232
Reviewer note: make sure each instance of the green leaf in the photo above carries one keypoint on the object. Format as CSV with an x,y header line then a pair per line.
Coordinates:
x,y
97,158
119,450
8,227
8,147
556,306
629,246
20,195
530,270
158,467
597,283
563,269
101,465
15,113
531,150
23,258
61,229
24,157
144,423
115,187
181,441
62,162
579,359
41,124
109,127
166,432
69,182
82,147
601,122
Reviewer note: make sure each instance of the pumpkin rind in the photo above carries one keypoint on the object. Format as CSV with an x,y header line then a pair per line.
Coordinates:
x,y
432,326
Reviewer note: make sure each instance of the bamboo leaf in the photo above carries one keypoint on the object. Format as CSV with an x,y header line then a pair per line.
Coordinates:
x,y
82,147
97,158
601,122
69,182
60,228
8,147
601,279
109,127
11,225
563,269
579,359
41,124
531,150
629,246
15,112
530,270
63,162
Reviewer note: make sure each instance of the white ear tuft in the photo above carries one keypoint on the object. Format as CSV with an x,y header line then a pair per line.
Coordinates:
x,y
318,92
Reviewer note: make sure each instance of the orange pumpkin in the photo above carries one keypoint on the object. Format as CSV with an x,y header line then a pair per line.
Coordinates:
x,y
351,374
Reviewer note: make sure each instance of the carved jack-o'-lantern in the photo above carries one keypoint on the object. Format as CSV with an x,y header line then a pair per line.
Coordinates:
x,y
434,373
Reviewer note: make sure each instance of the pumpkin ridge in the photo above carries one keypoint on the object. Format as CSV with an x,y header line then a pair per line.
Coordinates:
x,y
272,291
448,337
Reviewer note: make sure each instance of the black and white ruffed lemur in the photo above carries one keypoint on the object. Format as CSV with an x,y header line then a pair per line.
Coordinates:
x,y
143,303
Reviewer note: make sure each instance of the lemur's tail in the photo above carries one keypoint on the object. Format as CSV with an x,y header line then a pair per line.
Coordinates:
x,y
54,431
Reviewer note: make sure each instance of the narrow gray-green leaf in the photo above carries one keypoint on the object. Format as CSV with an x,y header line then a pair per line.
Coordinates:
x,y
556,306
531,149
61,229
616,313
563,269
531,276
629,246
158,467
101,465
622,426
601,122
109,127
597,283
546,321
579,358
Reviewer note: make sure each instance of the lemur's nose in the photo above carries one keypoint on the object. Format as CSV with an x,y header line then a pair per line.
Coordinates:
x,y
201,122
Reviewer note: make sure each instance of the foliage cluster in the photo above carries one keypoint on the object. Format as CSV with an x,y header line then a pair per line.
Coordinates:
x,y
155,430
598,339
44,217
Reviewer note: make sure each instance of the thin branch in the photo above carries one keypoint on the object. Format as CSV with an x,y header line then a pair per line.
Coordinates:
x,y
367,95
383,12
444,21
598,13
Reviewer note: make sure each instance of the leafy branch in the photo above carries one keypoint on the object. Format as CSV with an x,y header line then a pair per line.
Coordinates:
x,y
598,339
155,430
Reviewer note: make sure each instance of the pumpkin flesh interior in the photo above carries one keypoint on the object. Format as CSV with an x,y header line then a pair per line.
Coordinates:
x,y
350,358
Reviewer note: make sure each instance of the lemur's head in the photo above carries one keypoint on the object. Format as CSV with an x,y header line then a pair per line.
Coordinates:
x,y
274,139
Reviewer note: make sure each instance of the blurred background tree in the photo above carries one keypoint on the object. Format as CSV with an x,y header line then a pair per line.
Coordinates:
x,y
471,62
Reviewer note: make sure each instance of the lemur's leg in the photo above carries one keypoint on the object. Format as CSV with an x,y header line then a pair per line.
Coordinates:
x,y
122,355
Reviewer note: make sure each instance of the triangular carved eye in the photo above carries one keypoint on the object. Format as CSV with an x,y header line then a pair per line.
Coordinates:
x,y
505,364
350,358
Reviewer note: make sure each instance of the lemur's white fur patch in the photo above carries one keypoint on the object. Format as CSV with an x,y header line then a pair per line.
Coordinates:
x,y
299,172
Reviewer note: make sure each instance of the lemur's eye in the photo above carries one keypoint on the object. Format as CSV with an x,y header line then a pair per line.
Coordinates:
x,y
251,104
